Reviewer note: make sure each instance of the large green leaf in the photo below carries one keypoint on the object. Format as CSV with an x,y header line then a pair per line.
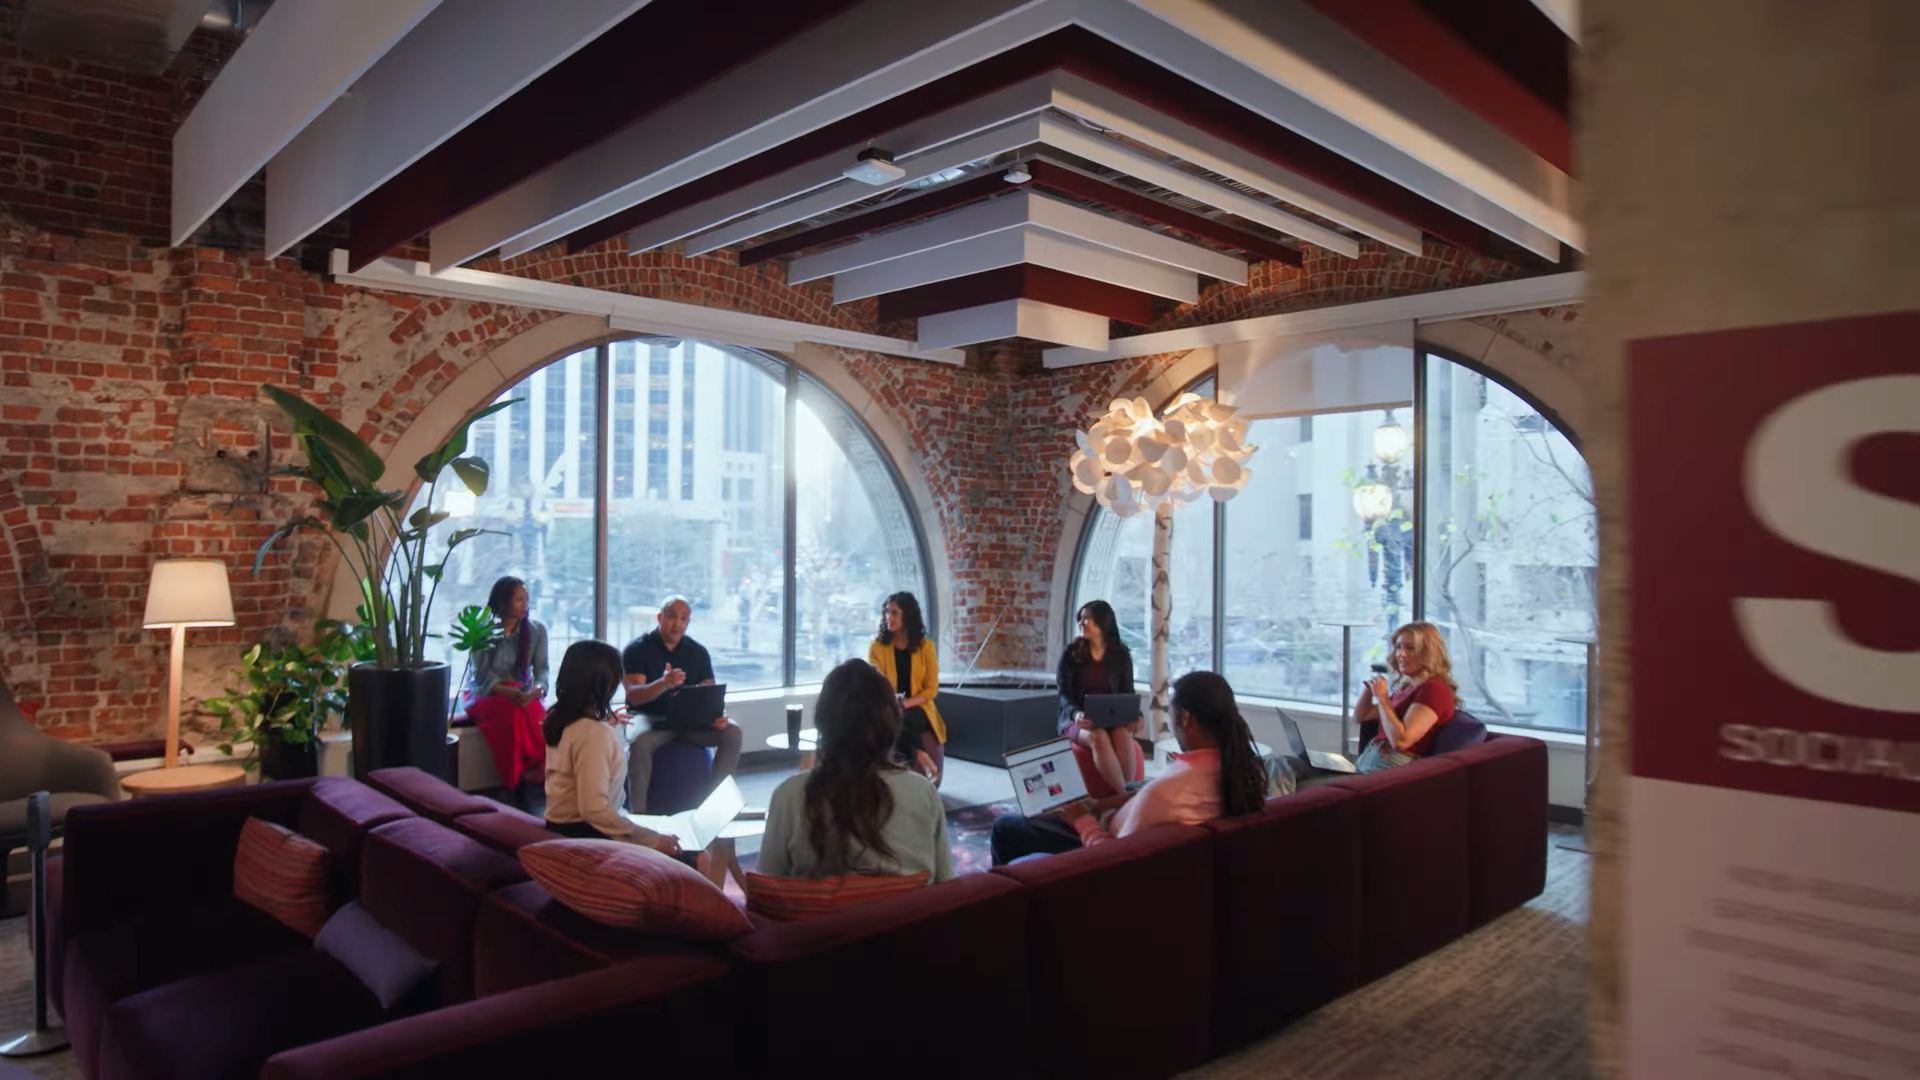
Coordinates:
x,y
288,529
426,518
473,472
359,460
347,515
428,468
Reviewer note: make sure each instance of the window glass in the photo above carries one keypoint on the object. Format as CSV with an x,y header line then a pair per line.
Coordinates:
x,y
1300,556
679,534
540,500
855,535
1511,551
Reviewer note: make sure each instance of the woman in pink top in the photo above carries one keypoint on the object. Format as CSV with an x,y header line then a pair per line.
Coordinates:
x,y
1216,774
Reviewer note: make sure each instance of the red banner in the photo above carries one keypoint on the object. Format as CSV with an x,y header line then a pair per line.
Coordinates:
x,y
1774,486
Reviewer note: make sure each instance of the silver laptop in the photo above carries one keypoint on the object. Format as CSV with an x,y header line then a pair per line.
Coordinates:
x,y
700,826
1045,776
1324,760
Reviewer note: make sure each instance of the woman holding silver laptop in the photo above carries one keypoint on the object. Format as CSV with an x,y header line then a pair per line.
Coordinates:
x,y
1098,662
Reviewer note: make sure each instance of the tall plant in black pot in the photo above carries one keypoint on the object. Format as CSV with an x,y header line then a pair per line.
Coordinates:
x,y
396,704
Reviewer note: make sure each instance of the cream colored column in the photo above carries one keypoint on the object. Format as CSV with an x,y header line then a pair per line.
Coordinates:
x,y
1746,162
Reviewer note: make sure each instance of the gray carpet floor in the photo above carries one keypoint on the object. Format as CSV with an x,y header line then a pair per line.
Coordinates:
x,y
1508,1000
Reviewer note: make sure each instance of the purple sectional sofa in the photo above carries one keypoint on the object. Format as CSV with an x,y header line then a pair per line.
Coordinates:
x,y
1255,922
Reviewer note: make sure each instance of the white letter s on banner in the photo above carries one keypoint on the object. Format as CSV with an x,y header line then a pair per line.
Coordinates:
x,y
1798,485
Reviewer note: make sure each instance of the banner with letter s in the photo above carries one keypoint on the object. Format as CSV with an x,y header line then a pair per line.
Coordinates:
x,y
1773,811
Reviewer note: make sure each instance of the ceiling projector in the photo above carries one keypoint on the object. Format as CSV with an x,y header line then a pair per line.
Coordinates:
x,y
876,167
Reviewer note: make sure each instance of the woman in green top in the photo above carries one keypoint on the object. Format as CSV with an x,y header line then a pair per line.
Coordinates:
x,y
856,811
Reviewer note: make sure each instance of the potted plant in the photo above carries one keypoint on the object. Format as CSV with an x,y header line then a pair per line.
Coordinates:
x,y
474,628
285,696
396,702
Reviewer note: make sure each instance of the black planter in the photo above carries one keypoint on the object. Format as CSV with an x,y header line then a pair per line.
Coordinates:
x,y
398,717
280,760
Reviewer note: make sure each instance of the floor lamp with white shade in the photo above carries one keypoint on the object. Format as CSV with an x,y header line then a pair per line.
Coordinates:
x,y
185,593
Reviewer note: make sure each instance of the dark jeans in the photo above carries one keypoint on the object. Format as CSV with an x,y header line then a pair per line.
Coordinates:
x,y
580,830
913,724
1014,835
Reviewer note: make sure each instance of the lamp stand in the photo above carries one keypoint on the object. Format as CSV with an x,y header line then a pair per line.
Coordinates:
x,y
1162,618
176,665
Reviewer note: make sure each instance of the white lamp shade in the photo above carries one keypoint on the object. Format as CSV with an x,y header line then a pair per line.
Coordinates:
x,y
188,592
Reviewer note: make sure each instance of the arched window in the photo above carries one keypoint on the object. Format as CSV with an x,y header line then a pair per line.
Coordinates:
x,y
731,478
1468,507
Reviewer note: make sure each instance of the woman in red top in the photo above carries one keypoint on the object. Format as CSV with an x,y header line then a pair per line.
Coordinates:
x,y
1411,710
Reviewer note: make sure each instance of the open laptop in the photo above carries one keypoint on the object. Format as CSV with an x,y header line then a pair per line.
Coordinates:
x,y
700,826
1045,776
694,708
1324,760
1111,710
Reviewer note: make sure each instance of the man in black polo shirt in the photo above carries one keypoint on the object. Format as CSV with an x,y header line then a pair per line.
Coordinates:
x,y
657,663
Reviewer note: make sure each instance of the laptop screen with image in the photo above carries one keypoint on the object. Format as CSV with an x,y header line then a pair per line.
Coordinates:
x,y
1045,776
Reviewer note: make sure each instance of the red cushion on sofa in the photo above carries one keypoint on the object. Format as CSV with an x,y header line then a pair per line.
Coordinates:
x,y
283,874
524,936
788,899
636,887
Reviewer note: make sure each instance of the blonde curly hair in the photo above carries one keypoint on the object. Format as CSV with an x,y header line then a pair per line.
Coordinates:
x,y
1429,650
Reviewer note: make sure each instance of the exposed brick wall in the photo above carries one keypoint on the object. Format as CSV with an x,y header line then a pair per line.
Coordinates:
x,y
131,426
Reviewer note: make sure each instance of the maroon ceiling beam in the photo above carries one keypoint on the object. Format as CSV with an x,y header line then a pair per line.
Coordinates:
x,y
1023,281
652,58
1100,61
1520,38
1405,32
1047,176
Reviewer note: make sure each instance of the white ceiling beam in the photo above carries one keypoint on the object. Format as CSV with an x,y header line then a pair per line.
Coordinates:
x,y
971,118
623,312
461,61
302,56
1006,212
1471,302
1027,244
1011,211
1310,77
1111,232
867,55
844,192
1081,143
1125,116
1012,318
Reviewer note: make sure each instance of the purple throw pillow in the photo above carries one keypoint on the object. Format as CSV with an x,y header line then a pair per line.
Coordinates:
x,y
392,970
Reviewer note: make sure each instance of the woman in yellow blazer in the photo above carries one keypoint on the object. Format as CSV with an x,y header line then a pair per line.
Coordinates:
x,y
903,653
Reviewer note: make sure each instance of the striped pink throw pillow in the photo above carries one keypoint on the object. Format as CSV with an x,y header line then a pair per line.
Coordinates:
x,y
788,899
635,887
283,874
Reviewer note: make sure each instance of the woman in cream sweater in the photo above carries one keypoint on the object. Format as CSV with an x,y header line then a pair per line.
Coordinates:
x,y
586,757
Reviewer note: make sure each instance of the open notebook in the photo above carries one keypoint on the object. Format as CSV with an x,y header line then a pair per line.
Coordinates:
x,y
700,826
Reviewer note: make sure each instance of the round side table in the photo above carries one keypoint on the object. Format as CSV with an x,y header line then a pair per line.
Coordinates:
x,y
809,742
182,778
